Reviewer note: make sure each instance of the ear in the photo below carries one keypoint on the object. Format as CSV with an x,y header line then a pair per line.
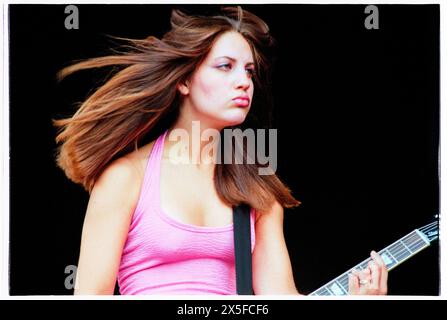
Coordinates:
x,y
183,88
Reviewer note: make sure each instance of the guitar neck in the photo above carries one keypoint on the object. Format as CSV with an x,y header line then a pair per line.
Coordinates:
x,y
393,255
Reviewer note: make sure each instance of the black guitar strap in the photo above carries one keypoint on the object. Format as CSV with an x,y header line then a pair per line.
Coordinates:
x,y
242,249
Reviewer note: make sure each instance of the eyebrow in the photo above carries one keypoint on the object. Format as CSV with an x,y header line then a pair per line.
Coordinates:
x,y
232,59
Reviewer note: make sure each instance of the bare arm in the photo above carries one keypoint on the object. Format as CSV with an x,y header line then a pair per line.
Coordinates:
x,y
105,229
272,270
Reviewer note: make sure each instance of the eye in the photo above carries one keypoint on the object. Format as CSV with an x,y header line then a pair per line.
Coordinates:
x,y
225,66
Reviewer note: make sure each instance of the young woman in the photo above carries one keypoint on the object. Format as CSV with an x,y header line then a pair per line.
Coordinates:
x,y
158,225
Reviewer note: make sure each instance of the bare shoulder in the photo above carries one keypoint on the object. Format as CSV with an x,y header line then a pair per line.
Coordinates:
x,y
121,180
276,213
130,167
116,186
137,159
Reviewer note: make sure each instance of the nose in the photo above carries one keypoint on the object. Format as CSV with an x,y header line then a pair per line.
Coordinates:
x,y
243,80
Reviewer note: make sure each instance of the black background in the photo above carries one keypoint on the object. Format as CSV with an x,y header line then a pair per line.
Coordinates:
x,y
357,113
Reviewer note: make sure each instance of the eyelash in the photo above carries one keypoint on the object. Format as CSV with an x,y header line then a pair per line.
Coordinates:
x,y
251,71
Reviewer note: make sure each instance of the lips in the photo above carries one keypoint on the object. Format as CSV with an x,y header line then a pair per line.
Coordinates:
x,y
242,101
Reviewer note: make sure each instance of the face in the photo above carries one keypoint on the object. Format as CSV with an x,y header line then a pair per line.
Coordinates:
x,y
220,90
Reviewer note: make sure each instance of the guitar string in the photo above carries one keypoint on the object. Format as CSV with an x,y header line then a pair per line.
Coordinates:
x,y
431,225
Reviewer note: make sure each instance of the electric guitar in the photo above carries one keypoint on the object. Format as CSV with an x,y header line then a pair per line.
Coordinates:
x,y
392,256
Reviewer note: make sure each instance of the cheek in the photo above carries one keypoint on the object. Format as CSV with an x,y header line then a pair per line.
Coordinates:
x,y
209,88
205,88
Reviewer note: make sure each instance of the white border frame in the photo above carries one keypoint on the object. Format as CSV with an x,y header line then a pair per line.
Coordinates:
x,y
4,151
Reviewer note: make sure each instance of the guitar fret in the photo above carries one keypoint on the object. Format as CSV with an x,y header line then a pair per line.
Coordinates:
x,y
364,264
398,251
411,239
344,281
322,292
418,245
335,288
414,242
408,241
388,258
404,251
344,288
405,245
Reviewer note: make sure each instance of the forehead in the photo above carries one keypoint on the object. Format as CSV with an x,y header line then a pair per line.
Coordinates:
x,y
231,44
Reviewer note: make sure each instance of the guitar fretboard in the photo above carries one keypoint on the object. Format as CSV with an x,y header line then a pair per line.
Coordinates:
x,y
393,255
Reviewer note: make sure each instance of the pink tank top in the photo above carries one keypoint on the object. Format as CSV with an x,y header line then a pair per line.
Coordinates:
x,y
165,256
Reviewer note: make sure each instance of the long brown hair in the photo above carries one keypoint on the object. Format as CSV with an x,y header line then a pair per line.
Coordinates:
x,y
143,97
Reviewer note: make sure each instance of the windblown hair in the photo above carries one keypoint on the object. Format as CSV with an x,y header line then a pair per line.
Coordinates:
x,y
143,95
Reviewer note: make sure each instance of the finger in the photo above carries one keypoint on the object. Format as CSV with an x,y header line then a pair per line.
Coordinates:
x,y
367,273
384,282
377,259
364,277
383,272
375,275
353,284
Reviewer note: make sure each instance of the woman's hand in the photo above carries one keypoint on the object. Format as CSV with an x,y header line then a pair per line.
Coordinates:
x,y
371,280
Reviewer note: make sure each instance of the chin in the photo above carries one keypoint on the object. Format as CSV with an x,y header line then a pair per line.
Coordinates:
x,y
235,117
234,121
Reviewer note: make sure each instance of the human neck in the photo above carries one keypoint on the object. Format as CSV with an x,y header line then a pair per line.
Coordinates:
x,y
193,142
